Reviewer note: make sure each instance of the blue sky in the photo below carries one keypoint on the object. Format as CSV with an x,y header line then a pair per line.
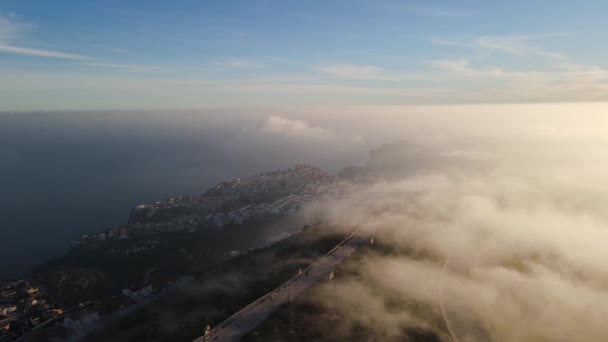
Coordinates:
x,y
196,54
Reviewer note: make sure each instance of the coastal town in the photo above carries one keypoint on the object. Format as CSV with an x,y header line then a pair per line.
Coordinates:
x,y
27,310
24,306
236,201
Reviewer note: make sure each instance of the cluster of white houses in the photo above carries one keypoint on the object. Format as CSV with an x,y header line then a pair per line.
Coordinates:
x,y
236,201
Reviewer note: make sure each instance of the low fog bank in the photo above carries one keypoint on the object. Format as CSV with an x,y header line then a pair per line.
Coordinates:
x,y
504,206
503,235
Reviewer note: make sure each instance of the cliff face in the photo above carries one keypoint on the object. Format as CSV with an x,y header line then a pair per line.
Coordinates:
x,y
235,201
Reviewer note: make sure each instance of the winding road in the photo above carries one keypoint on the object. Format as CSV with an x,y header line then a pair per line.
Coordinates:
x,y
235,326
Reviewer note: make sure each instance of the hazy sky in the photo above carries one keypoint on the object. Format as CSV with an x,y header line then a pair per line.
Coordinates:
x,y
190,54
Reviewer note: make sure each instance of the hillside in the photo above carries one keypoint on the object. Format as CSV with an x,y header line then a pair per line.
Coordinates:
x,y
182,312
167,240
316,316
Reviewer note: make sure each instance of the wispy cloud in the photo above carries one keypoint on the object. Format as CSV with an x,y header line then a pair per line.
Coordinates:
x,y
442,87
130,67
564,81
112,49
19,50
519,45
11,29
462,67
560,78
443,69
436,11
441,41
459,65
241,63
367,72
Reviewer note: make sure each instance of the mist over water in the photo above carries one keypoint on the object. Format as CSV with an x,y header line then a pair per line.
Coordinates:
x,y
65,174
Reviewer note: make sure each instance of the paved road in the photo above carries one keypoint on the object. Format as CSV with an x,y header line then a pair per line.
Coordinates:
x,y
234,327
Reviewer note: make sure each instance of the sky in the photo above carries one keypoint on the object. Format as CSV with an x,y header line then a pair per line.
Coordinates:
x,y
73,55
502,102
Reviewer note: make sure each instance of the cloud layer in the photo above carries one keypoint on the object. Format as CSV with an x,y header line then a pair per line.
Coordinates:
x,y
502,243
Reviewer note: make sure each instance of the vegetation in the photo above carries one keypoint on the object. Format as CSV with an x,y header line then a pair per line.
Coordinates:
x,y
308,318
182,312
103,268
